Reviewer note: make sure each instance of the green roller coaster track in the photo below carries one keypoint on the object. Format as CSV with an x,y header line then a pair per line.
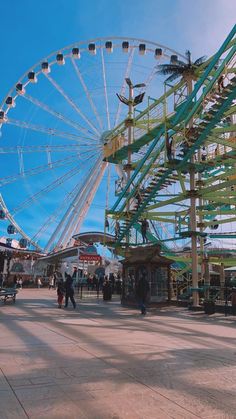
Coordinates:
x,y
201,117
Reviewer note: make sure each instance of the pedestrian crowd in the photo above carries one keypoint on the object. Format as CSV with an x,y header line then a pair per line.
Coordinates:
x,y
99,283
107,285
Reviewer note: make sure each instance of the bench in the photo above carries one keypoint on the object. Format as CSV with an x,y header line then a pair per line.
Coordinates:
x,y
8,294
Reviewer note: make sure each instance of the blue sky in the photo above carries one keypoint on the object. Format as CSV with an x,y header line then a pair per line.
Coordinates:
x,y
32,30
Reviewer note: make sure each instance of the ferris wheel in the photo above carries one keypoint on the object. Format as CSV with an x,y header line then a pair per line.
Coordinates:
x,y
53,122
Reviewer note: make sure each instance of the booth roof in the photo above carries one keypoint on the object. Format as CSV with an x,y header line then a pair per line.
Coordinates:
x,y
144,254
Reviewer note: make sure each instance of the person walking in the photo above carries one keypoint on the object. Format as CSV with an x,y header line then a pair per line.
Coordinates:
x,y
118,284
107,290
60,293
142,289
39,283
138,198
1,280
96,284
15,281
220,83
169,144
117,229
233,301
144,228
204,154
101,280
69,291
112,282
51,282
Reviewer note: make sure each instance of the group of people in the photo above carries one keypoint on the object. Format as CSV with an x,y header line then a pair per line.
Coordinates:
x,y
108,286
96,282
65,289
18,282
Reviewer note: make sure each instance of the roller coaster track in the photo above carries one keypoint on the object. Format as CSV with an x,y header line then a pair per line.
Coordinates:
x,y
205,107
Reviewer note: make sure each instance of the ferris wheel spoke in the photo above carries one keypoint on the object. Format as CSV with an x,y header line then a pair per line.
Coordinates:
x,y
42,148
21,162
80,193
88,203
17,227
70,195
56,114
150,77
79,75
167,233
34,198
105,90
72,104
45,130
81,206
36,170
59,181
122,91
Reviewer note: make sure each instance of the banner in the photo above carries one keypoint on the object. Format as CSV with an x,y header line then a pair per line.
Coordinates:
x,y
90,258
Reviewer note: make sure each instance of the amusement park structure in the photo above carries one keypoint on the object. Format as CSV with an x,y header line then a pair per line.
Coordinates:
x,y
191,187
173,154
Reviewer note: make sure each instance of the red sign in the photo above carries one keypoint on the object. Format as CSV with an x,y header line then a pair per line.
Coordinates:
x,y
90,258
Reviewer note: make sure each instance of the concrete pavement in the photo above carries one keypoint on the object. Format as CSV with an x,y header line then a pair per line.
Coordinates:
x,y
103,361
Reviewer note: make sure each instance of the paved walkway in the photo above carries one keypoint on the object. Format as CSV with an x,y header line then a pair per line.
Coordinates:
x,y
103,361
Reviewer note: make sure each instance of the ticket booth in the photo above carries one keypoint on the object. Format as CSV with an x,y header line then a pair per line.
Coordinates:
x,y
146,261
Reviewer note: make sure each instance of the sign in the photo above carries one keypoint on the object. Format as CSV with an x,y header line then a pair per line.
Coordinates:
x,y
90,258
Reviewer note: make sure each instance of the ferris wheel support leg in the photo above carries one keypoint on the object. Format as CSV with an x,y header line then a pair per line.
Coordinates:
x,y
222,280
200,219
130,141
193,224
207,279
193,216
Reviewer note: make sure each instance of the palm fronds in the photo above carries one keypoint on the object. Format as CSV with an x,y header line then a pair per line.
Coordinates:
x,y
173,77
168,69
180,68
200,60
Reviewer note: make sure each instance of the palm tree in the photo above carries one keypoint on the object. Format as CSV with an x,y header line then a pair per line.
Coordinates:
x,y
179,68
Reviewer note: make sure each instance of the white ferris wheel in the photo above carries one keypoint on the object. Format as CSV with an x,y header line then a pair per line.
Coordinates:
x,y
53,122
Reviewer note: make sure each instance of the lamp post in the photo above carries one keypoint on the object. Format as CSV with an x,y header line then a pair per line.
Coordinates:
x,y
8,257
131,102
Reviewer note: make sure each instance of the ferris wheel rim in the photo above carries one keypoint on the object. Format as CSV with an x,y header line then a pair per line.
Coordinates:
x,y
52,54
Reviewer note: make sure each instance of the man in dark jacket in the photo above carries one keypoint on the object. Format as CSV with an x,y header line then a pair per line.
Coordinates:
x,y
142,289
69,291
144,229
